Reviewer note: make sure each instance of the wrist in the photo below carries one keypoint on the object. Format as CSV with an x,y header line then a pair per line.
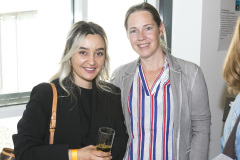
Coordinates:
x,y
74,154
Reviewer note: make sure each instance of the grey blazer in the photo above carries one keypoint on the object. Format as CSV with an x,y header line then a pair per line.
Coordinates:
x,y
192,117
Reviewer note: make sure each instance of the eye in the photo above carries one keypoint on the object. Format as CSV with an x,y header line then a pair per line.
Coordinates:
x,y
148,28
82,52
100,53
132,31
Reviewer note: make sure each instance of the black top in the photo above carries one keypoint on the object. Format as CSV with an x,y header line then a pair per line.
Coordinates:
x,y
77,124
85,112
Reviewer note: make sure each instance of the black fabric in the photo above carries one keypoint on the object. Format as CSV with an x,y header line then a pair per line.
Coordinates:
x,y
72,130
85,112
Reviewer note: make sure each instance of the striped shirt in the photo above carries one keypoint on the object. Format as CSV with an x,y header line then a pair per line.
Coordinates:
x,y
151,113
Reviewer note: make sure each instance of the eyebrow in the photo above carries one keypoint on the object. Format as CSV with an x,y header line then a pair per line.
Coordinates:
x,y
148,25
143,26
88,49
101,49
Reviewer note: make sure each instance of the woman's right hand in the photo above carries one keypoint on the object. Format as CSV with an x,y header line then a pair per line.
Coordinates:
x,y
91,153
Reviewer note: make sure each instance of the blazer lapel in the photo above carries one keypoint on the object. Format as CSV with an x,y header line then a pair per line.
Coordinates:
x,y
176,86
127,80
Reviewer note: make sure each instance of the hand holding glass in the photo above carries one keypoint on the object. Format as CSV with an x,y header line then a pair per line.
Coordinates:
x,y
105,139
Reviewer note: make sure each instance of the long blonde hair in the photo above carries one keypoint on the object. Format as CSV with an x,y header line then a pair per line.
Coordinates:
x,y
75,37
231,67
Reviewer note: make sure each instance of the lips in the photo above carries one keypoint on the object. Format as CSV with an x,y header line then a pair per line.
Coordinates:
x,y
144,45
88,69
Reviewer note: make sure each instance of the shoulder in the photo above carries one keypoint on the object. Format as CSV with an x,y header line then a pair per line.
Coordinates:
x,y
45,87
112,88
189,69
128,67
40,98
42,93
122,71
183,64
41,89
187,64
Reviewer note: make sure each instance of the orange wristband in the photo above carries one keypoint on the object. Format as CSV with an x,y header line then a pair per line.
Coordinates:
x,y
74,154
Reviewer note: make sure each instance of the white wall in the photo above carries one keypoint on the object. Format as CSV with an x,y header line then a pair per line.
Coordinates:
x,y
195,34
186,29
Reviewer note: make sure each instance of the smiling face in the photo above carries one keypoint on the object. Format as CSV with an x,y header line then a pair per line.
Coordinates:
x,y
144,34
88,61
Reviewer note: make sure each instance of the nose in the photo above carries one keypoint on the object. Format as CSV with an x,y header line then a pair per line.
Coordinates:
x,y
141,36
91,59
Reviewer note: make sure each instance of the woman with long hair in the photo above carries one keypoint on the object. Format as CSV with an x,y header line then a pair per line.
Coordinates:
x,y
85,103
231,73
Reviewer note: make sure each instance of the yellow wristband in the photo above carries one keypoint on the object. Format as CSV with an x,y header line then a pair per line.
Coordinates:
x,y
74,154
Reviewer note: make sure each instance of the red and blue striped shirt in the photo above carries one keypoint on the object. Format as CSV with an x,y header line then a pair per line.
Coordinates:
x,y
151,111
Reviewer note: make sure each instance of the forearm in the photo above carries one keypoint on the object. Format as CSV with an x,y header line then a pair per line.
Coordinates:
x,y
87,153
46,152
200,140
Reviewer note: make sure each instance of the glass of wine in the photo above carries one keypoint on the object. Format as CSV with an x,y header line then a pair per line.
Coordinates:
x,y
105,139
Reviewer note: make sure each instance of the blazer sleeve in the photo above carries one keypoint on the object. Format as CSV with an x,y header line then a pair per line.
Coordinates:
x,y
121,136
200,117
31,140
115,77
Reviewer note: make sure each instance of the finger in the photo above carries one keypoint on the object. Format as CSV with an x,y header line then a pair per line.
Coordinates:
x,y
101,158
92,147
100,153
104,158
108,158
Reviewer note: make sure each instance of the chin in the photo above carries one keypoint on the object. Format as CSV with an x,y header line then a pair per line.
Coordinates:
x,y
145,56
89,79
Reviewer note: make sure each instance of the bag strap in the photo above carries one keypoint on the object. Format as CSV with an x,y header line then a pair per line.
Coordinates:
x,y
9,152
229,148
54,114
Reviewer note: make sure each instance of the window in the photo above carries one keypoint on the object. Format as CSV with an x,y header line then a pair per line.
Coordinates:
x,y
32,39
16,33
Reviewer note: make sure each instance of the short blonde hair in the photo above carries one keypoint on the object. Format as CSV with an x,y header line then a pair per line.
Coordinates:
x,y
231,67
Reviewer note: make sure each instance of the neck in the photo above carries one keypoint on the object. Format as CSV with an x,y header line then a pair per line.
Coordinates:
x,y
83,83
153,63
86,86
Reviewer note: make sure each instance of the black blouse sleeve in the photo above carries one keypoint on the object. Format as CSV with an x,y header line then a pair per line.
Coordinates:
x,y
121,136
107,112
31,141
118,123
